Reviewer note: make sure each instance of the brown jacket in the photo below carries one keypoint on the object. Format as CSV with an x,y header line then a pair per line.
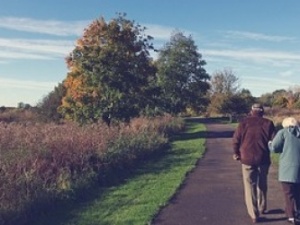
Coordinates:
x,y
250,140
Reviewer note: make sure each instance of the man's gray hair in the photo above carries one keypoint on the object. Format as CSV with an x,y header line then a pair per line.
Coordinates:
x,y
257,107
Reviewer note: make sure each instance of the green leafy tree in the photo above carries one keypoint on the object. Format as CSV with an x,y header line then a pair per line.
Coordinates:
x,y
238,103
279,99
111,73
215,106
225,82
296,96
248,98
266,99
226,96
181,75
292,97
48,106
22,105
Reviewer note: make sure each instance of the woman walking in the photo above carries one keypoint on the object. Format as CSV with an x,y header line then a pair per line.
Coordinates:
x,y
287,143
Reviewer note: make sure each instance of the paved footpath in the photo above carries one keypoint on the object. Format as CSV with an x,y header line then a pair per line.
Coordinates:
x,y
212,193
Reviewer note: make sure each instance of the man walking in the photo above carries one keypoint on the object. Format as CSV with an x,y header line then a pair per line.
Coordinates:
x,y
250,145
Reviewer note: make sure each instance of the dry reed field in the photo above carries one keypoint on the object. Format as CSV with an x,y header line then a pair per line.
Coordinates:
x,y
278,114
43,162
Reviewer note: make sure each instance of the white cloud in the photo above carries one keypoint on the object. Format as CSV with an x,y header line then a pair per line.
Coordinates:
x,y
267,80
63,28
47,48
34,49
253,54
266,57
257,36
159,32
163,33
287,73
3,61
5,55
26,84
38,45
52,27
265,84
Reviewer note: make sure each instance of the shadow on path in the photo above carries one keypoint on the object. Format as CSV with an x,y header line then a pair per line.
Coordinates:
x,y
207,133
204,134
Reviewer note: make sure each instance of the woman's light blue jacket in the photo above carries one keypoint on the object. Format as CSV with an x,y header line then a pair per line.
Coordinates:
x,y
287,143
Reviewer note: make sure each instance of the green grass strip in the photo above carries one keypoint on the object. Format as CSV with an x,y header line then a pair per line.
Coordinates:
x,y
138,198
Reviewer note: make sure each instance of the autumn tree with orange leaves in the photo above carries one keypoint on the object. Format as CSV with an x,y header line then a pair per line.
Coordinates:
x,y
111,74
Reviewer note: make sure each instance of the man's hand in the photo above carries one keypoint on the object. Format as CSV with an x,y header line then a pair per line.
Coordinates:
x,y
236,157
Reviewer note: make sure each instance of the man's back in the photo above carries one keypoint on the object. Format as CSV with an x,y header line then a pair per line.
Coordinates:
x,y
251,138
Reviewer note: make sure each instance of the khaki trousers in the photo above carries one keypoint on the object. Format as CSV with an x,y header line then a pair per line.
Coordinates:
x,y
255,188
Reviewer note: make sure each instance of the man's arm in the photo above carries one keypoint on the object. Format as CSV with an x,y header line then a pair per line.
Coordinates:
x,y
236,142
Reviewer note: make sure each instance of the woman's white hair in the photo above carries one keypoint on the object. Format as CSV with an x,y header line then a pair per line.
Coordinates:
x,y
289,122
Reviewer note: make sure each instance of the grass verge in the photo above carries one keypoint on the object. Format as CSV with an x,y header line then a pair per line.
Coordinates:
x,y
137,199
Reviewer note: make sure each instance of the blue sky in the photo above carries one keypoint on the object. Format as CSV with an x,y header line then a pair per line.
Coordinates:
x,y
258,40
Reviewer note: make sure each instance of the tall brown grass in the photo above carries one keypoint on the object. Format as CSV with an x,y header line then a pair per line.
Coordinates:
x,y
43,162
278,114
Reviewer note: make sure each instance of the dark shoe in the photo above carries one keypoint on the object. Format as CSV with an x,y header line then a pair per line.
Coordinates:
x,y
264,212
